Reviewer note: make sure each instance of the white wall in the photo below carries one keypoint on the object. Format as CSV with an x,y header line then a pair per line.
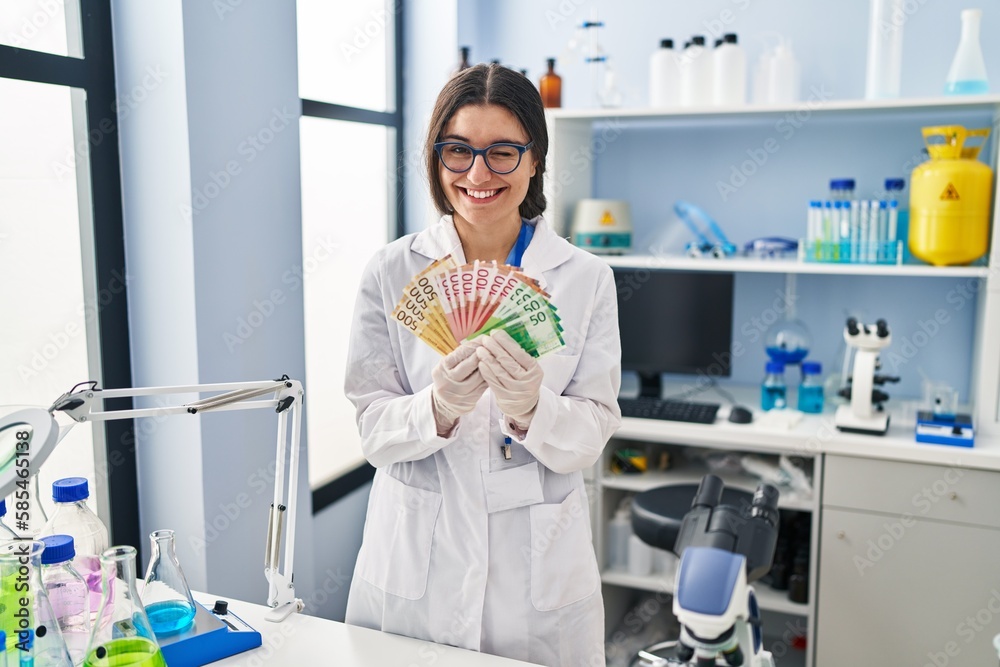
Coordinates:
x,y
212,221
829,38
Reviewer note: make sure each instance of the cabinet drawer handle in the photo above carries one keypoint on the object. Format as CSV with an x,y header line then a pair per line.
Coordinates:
x,y
841,534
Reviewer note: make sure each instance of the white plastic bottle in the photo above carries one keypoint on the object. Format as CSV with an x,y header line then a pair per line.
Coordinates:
x,y
90,536
640,557
619,532
967,75
696,74
729,73
885,49
664,76
784,75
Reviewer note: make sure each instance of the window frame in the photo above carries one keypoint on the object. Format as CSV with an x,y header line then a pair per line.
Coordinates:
x,y
94,73
353,479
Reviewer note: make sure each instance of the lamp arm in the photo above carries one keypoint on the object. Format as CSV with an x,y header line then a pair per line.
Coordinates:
x,y
287,398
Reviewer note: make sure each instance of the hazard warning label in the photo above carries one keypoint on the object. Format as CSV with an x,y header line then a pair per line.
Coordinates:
x,y
607,218
950,193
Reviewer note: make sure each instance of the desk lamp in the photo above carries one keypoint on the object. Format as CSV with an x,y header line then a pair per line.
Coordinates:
x,y
28,436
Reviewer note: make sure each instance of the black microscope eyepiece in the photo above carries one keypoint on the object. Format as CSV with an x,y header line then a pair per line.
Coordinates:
x,y
852,326
765,504
709,492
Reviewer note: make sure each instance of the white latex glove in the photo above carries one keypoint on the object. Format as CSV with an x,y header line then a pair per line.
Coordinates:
x,y
458,385
514,376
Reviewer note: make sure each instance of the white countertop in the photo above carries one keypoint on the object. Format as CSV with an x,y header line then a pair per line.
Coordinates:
x,y
307,640
814,434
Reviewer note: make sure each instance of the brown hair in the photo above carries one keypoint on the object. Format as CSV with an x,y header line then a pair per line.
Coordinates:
x,y
501,86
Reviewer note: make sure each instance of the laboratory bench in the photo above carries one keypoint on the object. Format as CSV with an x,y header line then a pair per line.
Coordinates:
x,y
308,640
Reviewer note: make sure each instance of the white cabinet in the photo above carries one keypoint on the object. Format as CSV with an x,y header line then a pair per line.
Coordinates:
x,y
907,608
621,587
908,570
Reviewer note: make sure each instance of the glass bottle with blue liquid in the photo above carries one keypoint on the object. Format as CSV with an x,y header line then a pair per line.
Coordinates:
x,y
166,594
810,395
967,75
774,391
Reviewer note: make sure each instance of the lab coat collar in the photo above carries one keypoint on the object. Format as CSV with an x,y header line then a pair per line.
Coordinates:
x,y
545,252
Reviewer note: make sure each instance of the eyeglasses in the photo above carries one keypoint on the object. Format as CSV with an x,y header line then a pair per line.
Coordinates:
x,y
499,158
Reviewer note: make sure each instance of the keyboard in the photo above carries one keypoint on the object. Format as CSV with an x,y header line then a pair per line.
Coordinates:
x,y
676,411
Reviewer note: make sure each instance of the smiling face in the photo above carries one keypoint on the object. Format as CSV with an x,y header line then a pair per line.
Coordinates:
x,y
480,198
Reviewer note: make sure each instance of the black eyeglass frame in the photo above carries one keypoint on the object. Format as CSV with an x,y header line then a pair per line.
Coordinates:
x,y
521,150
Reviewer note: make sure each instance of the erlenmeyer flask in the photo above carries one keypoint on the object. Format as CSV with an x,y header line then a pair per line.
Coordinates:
x,y
127,640
26,616
166,594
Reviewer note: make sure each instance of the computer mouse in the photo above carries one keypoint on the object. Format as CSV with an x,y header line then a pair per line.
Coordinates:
x,y
740,415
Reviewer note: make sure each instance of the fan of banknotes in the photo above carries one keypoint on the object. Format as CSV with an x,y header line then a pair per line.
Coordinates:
x,y
447,303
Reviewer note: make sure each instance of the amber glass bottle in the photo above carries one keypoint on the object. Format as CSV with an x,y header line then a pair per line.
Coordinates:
x,y
463,62
550,86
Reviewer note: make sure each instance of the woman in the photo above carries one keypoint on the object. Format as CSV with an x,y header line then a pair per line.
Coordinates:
x,y
465,545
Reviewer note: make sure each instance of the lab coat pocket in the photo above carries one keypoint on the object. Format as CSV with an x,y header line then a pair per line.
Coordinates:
x,y
563,564
511,487
558,370
396,553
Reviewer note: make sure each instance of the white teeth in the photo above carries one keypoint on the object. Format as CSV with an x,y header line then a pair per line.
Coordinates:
x,y
481,194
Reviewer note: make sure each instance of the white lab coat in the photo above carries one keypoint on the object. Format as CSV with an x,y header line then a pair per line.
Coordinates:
x,y
436,563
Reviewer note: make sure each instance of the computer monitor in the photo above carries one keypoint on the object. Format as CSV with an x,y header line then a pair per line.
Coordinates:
x,y
674,322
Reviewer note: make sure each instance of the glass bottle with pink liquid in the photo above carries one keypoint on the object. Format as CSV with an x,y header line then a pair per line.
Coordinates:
x,y
90,536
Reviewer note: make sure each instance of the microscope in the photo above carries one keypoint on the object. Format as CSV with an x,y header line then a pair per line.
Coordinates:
x,y
722,549
865,413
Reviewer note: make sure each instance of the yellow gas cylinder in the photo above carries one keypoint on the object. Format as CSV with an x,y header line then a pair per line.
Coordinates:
x,y
950,198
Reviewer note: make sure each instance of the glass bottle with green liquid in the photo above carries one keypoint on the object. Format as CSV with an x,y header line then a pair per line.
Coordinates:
x,y
31,630
126,639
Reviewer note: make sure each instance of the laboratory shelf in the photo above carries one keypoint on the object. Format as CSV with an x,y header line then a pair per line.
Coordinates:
x,y
693,475
751,265
769,599
815,105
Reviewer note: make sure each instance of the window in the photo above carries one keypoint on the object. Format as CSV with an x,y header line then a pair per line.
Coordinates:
x,y
351,133
62,271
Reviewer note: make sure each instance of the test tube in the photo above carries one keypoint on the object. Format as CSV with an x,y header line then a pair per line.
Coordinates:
x,y
878,214
835,237
827,229
855,228
863,230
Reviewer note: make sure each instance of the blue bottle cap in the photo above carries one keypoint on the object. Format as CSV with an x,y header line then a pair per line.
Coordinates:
x,y
811,368
883,204
70,490
3,507
828,204
842,184
838,204
815,202
893,203
58,549
894,184
774,367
